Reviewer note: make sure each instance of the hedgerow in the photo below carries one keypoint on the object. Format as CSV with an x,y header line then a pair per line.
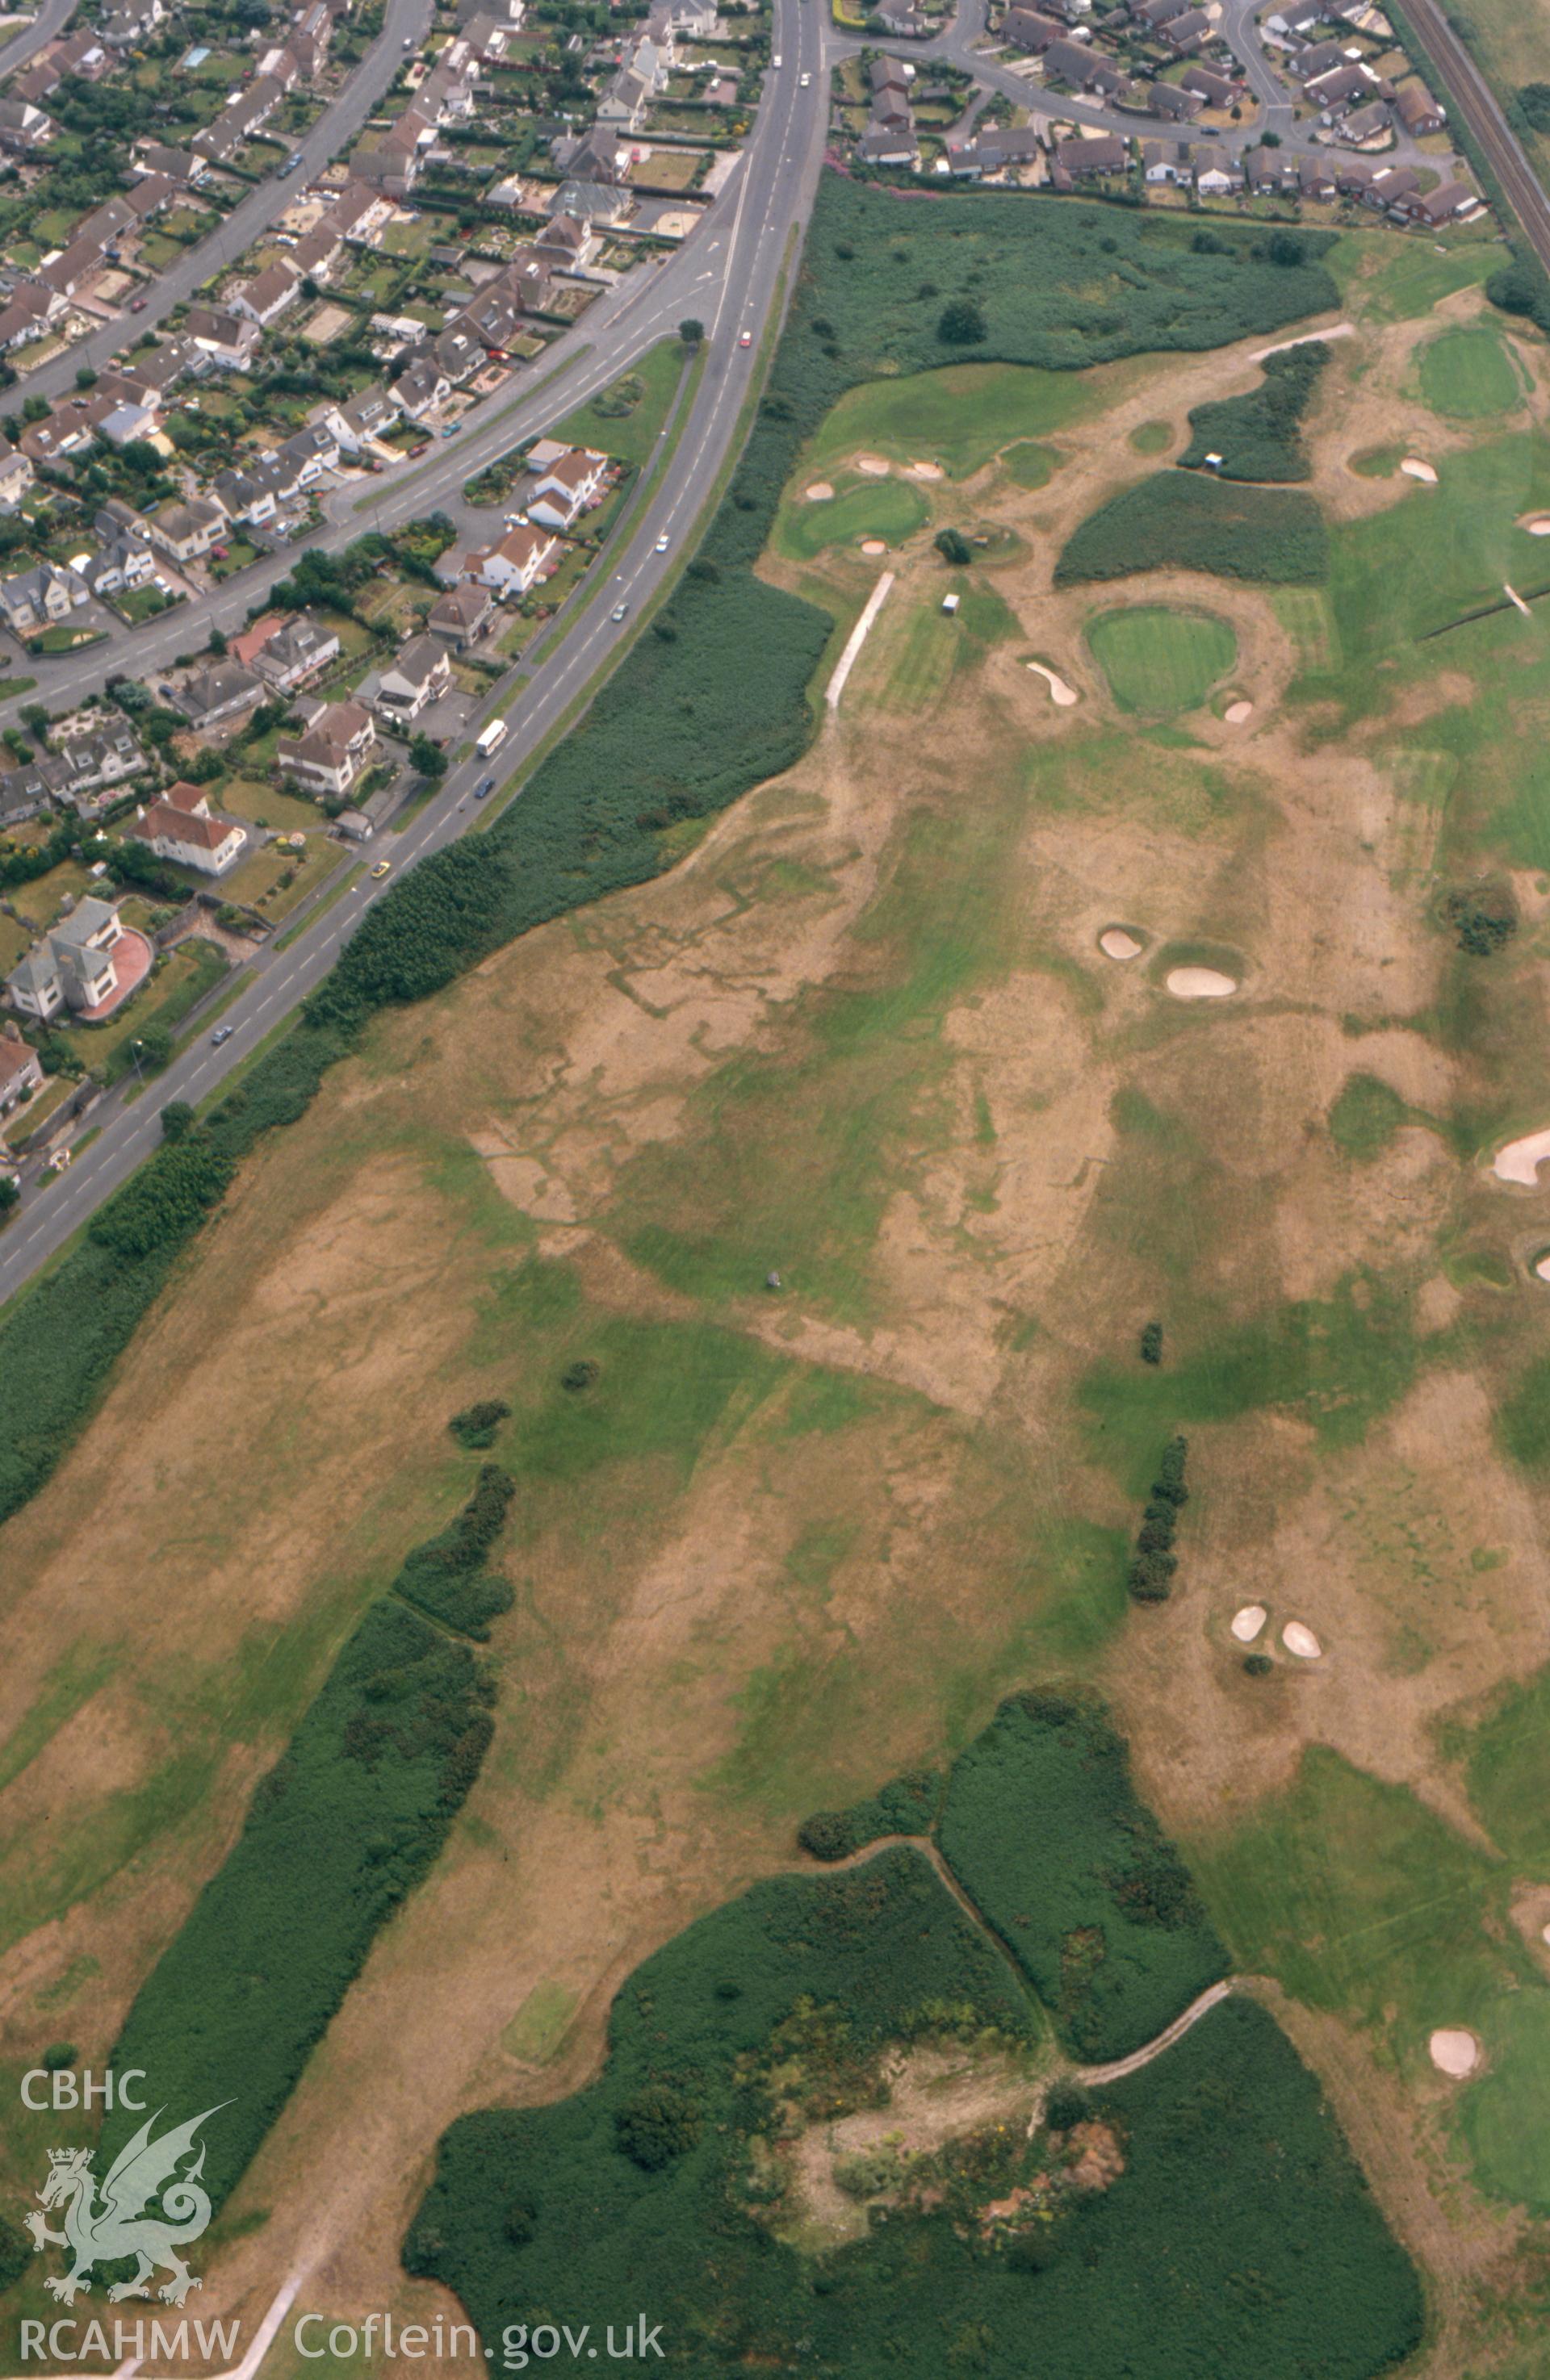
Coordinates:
x,y
1259,436
908,1806
1153,1563
1181,521
344,1824
687,724
1043,1830
447,1576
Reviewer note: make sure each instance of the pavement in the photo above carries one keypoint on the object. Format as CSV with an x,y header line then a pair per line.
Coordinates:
x,y
730,276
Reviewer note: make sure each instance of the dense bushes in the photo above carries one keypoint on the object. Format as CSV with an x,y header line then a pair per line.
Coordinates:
x,y
447,1576
1236,2186
685,725
1150,1578
908,1806
1042,1828
1178,522
344,1825
1259,436
476,1426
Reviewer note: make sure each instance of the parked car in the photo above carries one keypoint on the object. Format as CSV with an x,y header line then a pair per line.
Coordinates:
x,y
293,163
222,1033
452,429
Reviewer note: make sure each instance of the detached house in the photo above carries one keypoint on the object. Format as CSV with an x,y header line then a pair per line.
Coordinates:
x,y
515,563
39,597
72,966
338,744
567,487
208,696
264,299
227,339
419,676
181,827
462,613
19,1070
295,652
186,530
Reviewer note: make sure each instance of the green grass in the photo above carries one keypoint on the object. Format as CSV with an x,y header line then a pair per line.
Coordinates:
x,y
1029,464
1159,661
1151,437
1377,462
1468,375
1401,279
1508,1773
1365,1117
626,419
960,418
1505,2117
890,509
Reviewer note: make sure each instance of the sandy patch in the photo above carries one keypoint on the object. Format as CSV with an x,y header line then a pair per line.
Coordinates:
x,y
1116,943
872,465
1454,2050
1198,983
1414,469
1542,1267
1537,524
1340,331
1519,1160
1247,1623
1059,692
1236,712
820,492
1301,1641
926,471
873,545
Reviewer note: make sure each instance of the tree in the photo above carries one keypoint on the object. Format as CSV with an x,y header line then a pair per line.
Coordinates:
x,y
691,330
10,1198
217,644
153,1047
428,758
953,546
34,718
86,378
656,2126
962,323
177,1118
1534,101
1151,1344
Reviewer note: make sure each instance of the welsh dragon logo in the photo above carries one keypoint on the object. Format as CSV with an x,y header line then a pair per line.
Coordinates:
x,y
102,2225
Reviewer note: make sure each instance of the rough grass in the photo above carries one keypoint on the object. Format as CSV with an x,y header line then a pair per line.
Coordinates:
x,y
1160,661
1179,521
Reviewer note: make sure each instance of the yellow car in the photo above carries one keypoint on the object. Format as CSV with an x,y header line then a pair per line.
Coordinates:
x,y
382,867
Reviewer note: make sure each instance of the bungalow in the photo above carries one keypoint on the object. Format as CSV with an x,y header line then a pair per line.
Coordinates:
x,y
992,152
305,455
315,255
1314,179
1267,169
1364,124
264,299
1418,111
567,486
1297,15
1173,103
888,144
1155,14
296,652
1081,70
593,203
19,1069
1107,154
1317,58
515,563
1333,93
176,165
1392,185
220,691
251,492
1214,90
1188,32
419,676
461,614
227,339
1164,160
180,826
1442,205
186,530
335,747
1216,173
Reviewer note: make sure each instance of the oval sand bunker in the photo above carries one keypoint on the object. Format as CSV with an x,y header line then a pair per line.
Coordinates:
x,y
1236,712
872,465
1542,1270
1301,1641
873,545
1537,524
1247,1623
820,492
1198,983
1519,1160
926,471
1060,693
1116,943
1414,469
1454,2051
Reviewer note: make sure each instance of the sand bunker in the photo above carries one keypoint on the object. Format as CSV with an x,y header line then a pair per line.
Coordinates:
x,y
873,545
1301,1641
1198,983
1059,692
1247,1623
1537,524
1236,712
1454,2051
1544,1933
872,465
820,492
1116,943
1542,1266
1414,469
1520,1159
926,471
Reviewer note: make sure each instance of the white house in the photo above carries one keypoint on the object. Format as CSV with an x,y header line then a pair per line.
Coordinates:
x,y
513,564
567,487
180,826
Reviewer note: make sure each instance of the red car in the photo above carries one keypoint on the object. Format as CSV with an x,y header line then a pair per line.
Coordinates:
x,y
747,339
136,306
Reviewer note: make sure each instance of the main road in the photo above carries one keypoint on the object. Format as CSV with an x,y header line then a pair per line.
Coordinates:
x,y
734,268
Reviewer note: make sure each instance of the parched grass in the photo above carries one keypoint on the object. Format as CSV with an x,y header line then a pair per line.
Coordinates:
x,y
1160,661
1468,374
1029,464
890,509
1151,437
